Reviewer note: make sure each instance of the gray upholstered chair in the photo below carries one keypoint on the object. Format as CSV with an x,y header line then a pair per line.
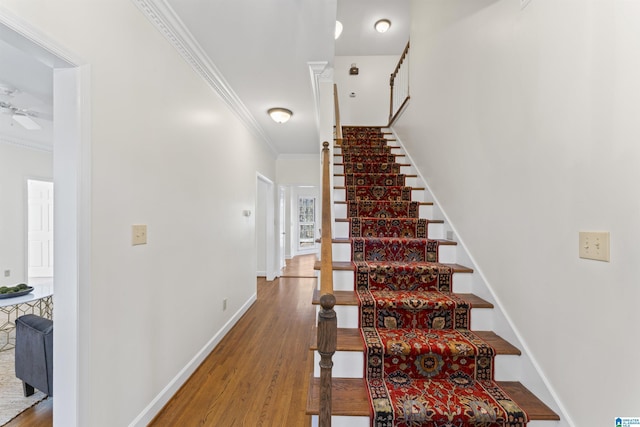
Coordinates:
x,y
34,353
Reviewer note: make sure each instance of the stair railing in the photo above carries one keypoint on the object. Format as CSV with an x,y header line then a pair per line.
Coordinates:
x,y
327,321
399,82
336,106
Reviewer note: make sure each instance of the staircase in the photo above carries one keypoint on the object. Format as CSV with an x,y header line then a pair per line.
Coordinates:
x,y
410,333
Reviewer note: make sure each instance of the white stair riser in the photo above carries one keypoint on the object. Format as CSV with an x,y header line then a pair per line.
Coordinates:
x,y
507,367
347,315
343,280
343,421
425,211
341,230
346,364
482,319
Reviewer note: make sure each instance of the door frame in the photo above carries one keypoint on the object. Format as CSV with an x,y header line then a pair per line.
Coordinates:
x,y
296,193
71,177
268,222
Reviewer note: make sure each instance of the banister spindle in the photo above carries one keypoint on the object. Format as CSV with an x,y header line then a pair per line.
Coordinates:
x,y
327,341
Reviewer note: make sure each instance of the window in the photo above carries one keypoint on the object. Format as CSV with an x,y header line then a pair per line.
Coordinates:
x,y
306,222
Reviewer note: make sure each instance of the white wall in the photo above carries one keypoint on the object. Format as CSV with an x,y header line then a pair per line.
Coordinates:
x,y
371,86
303,169
525,125
17,164
160,143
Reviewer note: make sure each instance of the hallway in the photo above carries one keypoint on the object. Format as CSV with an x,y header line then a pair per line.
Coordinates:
x,y
257,375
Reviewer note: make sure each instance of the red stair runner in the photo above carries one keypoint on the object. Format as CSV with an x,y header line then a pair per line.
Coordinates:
x,y
424,367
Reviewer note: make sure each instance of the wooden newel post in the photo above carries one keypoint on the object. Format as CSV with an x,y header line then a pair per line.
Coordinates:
x,y
327,339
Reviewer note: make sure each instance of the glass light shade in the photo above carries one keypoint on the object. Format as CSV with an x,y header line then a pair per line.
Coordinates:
x,y
382,25
280,115
338,29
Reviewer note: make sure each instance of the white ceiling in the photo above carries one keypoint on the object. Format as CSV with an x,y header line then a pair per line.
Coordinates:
x,y
261,48
31,84
359,36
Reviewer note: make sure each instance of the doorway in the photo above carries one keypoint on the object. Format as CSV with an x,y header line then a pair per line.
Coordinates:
x,y
304,224
72,212
39,228
265,228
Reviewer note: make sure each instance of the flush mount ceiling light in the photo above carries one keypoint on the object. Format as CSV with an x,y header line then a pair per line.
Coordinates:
x,y
26,121
280,115
338,29
382,25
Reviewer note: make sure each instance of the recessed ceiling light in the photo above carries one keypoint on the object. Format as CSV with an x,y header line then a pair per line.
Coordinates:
x,y
280,115
338,29
382,25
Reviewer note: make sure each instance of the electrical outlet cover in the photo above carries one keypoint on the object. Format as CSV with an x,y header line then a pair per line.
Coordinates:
x,y
139,234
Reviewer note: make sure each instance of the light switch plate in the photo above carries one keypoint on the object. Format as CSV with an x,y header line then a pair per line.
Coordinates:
x,y
139,234
594,245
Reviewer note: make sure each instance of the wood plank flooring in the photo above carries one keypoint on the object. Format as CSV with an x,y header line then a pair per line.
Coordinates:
x,y
257,376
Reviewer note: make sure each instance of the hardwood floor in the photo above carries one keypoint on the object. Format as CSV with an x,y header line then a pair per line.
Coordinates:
x,y
40,415
257,375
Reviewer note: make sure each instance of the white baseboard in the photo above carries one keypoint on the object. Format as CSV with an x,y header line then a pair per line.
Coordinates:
x,y
154,407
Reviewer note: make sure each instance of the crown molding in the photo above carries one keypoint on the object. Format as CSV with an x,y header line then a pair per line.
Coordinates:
x,y
26,143
164,18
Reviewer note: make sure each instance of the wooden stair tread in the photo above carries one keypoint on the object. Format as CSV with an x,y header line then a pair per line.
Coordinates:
x,y
342,297
349,339
390,154
406,175
349,397
534,407
344,202
440,241
342,187
348,266
399,164
350,298
499,344
431,221
390,146
475,301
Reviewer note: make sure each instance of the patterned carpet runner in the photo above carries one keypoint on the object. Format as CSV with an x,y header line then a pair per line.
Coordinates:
x,y
424,367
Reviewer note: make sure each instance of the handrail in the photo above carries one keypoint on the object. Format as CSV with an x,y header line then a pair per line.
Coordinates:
x,y
327,322
399,82
326,250
337,115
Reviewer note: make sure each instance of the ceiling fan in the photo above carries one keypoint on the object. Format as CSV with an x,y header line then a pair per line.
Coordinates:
x,y
23,116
